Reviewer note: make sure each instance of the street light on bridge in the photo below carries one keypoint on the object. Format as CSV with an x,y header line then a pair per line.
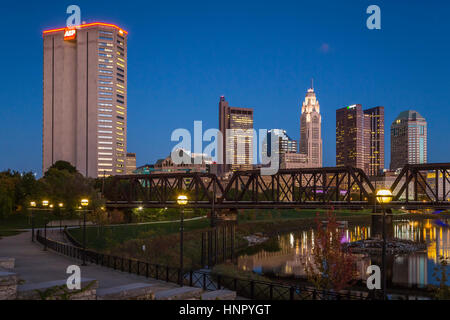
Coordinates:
x,y
384,196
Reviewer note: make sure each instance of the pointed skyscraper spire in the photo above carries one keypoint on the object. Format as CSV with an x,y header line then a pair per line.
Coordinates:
x,y
311,129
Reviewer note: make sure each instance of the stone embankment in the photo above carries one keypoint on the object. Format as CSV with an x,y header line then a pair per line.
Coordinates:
x,y
394,246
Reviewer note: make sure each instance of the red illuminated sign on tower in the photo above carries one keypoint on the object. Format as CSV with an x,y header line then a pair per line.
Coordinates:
x,y
70,34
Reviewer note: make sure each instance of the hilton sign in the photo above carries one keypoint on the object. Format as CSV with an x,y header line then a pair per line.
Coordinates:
x,y
70,34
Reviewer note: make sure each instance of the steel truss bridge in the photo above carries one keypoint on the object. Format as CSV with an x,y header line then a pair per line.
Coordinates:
x,y
416,187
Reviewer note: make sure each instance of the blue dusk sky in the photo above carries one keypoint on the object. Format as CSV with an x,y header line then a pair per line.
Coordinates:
x,y
183,55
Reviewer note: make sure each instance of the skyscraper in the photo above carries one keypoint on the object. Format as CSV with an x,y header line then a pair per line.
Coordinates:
x,y
310,130
285,143
360,138
374,140
350,137
85,98
408,139
236,149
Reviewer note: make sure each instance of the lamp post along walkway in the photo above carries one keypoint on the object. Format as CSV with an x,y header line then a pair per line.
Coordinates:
x,y
84,204
182,200
384,196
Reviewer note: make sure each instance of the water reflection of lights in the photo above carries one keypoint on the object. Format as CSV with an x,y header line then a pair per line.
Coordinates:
x,y
435,234
296,251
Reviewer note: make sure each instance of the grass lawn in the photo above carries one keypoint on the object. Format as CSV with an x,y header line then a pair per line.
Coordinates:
x,y
107,237
14,223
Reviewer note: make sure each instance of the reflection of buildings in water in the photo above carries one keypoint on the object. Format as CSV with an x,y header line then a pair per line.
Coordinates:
x,y
412,269
264,261
436,237
296,251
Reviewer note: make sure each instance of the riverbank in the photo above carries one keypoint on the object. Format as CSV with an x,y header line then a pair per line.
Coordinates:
x,y
160,243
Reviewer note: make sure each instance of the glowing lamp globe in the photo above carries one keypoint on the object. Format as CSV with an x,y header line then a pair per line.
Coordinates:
x,y
384,196
182,200
84,202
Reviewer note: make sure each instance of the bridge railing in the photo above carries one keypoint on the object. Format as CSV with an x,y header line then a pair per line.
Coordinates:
x,y
247,288
288,186
428,184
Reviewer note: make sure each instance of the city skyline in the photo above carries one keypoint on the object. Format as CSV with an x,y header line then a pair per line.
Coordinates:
x,y
164,81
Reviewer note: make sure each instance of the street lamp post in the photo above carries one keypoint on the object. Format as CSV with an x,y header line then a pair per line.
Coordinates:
x,y
84,204
384,196
32,206
45,205
182,200
61,206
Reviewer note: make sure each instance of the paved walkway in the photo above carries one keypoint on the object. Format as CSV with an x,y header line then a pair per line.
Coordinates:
x,y
34,265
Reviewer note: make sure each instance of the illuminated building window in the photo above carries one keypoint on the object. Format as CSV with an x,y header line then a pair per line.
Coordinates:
x,y
103,164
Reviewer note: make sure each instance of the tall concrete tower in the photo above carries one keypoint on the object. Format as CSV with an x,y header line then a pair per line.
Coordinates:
x,y
310,130
85,98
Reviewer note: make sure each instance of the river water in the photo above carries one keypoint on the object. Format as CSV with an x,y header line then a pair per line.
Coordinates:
x,y
414,269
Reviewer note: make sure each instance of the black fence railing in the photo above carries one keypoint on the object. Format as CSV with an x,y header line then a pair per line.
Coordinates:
x,y
247,288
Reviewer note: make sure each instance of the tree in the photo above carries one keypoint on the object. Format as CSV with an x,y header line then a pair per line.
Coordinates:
x,y
7,196
62,165
442,292
63,184
330,267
